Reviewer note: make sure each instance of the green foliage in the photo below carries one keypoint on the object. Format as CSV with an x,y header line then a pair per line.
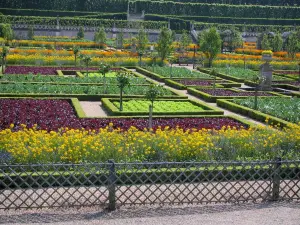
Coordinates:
x,y
265,43
164,44
153,92
284,108
76,50
100,36
292,44
277,43
159,106
142,40
30,33
210,44
185,40
123,81
120,39
177,72
6,32
80,34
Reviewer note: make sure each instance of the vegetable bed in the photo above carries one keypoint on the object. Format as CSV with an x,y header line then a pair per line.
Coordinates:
x,y
228,92
284,108
177,72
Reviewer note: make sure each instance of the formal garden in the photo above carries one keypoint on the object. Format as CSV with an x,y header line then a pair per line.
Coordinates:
x,y
81,83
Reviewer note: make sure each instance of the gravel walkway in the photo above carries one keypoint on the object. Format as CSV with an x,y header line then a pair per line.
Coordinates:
x,y
93,109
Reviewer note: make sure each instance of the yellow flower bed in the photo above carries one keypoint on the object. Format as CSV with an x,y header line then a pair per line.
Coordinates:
x,y
69,145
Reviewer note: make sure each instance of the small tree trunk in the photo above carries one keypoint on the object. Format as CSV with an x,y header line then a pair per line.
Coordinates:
x,y
87,71
121,99
210,62
214,85
171,70
3,65
150,116
255,97
104,83
75,60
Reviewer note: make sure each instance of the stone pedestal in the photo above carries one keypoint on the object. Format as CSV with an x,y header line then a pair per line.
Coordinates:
x,y
266,73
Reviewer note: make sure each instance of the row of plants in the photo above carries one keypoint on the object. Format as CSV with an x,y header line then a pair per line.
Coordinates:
x,y
284,108
86,22
52,115
230,92
251,51
41,70
38,60
30,78
178,72
58,89
64,52
77,145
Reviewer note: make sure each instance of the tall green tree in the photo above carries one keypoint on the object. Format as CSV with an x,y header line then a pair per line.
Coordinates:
x,y
86,60
100,37
80,34
185,40
123,81
164,44
142,40
104,69
277,43
30,33
153,92
292,44
76,51
120,39
265,43
6,32
4,53
210,43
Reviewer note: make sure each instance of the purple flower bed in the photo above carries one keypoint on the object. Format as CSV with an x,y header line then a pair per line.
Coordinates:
x,y
40,70
55,114
225,92
197,82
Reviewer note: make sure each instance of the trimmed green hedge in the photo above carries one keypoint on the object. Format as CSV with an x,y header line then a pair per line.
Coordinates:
x,y
208,110
77,108
150,74
254,114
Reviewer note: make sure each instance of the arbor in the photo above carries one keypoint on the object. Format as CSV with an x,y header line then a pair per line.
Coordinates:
x,y
123,81
292,44
30,33
100,37
277,43
164,44
80,34
210,44
76,51
142,40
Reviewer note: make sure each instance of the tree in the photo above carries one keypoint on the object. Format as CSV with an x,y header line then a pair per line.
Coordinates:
x,y
153,92
76,51
292,45
6,32
123,81
184,40
265,43
173,35
277,43
5,51
142,40
236,40
100,37
80,34
30,33
104,68
164,44
210,44
172,60
120,39
86,60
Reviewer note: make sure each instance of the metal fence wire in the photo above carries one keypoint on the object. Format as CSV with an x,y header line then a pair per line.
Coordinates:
x,y
115,184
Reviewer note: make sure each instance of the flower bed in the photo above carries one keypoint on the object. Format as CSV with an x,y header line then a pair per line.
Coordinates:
x,y
39,70
52,115
284,108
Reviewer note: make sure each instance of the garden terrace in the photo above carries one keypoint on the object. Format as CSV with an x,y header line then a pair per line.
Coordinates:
x,y
132,107
211,95
51,115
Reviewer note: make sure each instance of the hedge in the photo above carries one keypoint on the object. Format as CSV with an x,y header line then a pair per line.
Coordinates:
x,y
150,74
77,108
113,110
254,114
221,75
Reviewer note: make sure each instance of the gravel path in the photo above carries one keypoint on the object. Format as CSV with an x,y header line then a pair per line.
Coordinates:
x,y
93,109
272,213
